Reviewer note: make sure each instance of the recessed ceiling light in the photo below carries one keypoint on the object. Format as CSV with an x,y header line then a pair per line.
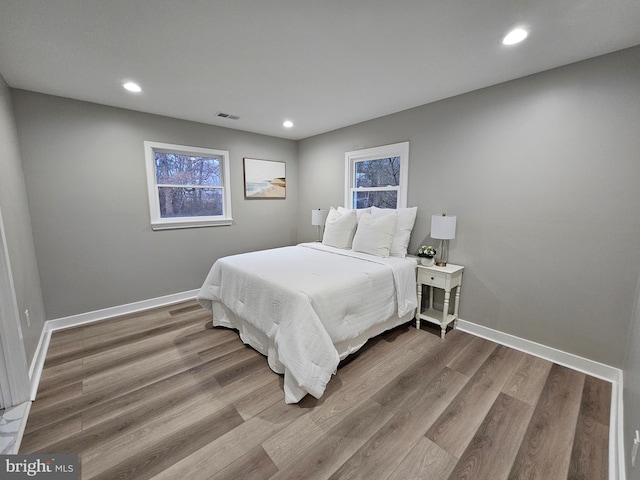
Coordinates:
x,y
287,124
132,87
515,36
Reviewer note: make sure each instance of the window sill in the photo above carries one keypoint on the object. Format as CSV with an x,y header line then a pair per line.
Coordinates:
x,y
172,225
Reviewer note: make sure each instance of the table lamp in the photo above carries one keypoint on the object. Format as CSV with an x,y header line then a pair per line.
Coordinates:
x,y
319,219
443,227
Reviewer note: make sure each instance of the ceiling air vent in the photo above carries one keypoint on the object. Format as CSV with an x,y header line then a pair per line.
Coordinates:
x,y
227,115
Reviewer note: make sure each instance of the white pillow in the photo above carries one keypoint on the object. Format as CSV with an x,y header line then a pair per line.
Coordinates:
x,y
406,220
374,235
339,229
359,211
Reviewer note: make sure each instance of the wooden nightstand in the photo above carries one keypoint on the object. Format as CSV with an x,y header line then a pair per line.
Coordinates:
x,y
445,278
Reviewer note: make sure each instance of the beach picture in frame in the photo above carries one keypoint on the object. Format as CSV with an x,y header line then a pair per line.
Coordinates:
x,y
264,179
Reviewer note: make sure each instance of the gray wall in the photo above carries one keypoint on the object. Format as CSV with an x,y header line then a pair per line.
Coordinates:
x,y
84,168
15,212
542,173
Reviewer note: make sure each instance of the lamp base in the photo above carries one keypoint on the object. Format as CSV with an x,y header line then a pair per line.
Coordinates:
x,y
443,254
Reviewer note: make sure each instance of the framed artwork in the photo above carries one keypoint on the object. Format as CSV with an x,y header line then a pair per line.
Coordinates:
x,y
264,179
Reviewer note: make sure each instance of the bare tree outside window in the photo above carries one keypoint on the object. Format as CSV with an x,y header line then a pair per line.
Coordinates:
x,y
375,199
381,172
182,182
377,173
377,176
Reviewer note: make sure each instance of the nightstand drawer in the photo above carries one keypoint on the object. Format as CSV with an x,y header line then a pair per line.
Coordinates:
x,y
435,279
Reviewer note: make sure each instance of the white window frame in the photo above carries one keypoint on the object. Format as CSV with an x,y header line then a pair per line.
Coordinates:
x,y
394,150
159,223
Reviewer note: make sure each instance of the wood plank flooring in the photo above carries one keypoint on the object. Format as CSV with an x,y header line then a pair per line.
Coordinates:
x,y
156,395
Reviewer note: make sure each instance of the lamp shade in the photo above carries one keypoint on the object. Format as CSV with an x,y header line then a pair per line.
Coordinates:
x,y
319,217
443,227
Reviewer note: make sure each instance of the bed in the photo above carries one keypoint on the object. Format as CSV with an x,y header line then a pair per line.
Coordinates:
x,y
308,306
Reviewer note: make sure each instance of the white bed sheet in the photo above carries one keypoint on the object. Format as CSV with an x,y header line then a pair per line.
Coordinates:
x,y
296,304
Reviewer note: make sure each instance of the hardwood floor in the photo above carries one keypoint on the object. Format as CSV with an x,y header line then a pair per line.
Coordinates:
x,y
157,395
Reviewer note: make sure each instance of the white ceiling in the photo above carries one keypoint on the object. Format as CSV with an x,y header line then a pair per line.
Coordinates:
x,y
323,64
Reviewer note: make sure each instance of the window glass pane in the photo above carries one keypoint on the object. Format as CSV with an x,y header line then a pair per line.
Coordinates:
x,y
380,172
386,199
176,169
189,202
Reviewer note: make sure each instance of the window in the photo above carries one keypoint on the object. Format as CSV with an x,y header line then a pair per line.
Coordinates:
x,y
377,177
188,186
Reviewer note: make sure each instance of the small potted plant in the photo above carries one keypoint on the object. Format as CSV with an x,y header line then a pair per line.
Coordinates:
x,y
426,254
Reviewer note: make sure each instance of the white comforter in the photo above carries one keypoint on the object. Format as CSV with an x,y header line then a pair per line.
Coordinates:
x,y
306,299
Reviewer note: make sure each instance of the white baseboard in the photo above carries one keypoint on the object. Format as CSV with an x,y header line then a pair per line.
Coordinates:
x,y
37,364
97,315
584,365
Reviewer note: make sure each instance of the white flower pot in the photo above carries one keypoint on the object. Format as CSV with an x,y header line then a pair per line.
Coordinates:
x,y
427,262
